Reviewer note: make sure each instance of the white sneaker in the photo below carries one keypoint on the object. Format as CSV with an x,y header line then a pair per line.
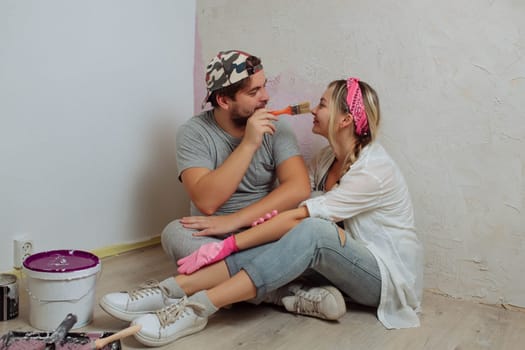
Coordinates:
x,y
171,323
323,302
275,297
148,297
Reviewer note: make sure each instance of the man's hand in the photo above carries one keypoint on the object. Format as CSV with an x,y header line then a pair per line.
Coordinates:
x,y
217,225
260,123
207,254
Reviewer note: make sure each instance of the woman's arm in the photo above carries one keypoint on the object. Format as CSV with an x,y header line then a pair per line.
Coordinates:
x,y
271,230
268,231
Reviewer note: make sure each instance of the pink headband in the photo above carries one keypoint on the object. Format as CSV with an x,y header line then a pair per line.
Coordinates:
x,y
354,100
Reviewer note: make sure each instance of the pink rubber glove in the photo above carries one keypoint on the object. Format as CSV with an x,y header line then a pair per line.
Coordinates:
x,y
264,218
207,254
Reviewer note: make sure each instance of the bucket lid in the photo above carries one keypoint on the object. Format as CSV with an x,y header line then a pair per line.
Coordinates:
x,y
61,261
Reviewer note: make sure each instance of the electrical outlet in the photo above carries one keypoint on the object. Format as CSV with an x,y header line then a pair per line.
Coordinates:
x,y
22,248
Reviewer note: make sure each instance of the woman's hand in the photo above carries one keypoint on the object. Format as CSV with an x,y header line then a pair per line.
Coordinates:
x,y
266,217
207,254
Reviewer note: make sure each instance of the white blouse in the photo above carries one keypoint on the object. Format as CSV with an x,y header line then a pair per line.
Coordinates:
x,y
373,200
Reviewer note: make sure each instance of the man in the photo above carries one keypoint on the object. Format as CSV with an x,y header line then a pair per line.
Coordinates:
x,y
236,161
230,159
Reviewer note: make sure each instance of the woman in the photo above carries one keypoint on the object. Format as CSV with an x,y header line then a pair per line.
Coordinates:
x,y
376,260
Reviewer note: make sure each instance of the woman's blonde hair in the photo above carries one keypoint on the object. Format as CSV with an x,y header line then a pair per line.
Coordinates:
x,y
339,105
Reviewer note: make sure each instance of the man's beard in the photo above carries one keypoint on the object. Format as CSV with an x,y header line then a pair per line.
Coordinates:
x,y
240,119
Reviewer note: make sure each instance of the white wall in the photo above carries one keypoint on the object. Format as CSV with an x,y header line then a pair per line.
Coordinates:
x,y
91,93
451,78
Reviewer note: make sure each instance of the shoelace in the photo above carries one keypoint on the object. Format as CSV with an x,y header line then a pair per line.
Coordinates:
x,y
173,312
146,288
307,303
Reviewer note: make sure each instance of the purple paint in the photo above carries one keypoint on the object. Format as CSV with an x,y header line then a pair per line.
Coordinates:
x,y
61,261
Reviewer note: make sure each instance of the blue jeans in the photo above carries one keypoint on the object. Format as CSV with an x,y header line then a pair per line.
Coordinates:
x,y
312,246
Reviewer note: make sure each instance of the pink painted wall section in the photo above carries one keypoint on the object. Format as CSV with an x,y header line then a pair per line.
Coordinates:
x,y
284,89
287,88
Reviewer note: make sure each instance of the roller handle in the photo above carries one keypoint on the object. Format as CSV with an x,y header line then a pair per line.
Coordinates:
x,y
61,331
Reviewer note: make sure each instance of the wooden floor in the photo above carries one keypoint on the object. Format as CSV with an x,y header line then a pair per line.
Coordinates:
x,y
446,323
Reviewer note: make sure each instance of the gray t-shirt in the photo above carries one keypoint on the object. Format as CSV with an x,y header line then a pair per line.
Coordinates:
x,y
201,143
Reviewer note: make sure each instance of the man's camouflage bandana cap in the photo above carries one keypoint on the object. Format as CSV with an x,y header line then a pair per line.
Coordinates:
x,y
227,68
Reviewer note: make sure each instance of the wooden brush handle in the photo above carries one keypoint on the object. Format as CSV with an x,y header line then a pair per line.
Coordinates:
x,y
286,110
126,332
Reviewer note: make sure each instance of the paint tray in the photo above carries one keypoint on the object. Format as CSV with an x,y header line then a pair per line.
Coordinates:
x,y
15,340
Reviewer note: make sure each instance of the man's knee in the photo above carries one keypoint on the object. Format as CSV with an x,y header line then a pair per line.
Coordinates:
x,y
171,238
178,241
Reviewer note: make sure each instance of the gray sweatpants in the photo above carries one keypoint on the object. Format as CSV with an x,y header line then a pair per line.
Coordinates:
x,y
178,241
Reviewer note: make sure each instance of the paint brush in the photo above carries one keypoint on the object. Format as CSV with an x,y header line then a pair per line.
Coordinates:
x,y
101,342
300,108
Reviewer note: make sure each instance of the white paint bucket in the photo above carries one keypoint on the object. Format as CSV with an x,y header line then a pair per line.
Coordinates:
x,y
60,282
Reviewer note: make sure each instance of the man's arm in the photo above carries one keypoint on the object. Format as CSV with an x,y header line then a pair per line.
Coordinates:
x,y
294,187
210,189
